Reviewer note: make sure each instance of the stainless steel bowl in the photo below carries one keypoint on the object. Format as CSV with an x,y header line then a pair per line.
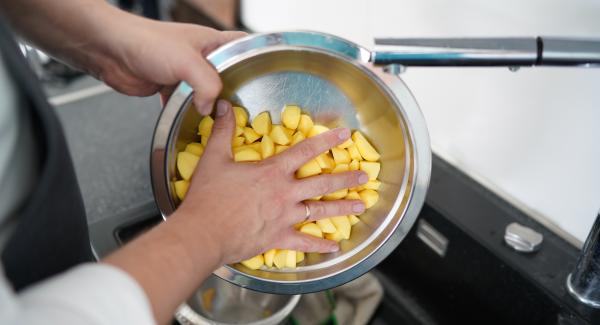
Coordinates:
x,y
218,302
332,79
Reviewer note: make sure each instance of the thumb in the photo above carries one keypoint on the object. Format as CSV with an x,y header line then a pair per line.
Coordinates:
x,y
219,144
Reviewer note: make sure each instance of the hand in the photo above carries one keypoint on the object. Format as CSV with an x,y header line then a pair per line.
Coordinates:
x,y
248,208
147,56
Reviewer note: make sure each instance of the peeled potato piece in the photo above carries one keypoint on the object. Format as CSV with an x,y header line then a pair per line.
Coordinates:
x,y
285,258
371,168
205,126
342,224
353,219
372,184
290,116
269,256
346,144
312,229
316,130
340,156
299,257
311,168
237,141
181,188
364,147
279,135
250,135
195,148
305,124
267,147
241,116
352,195
186,163
354,153
369,197
255,262
246,154
325,161
262,123
326,226
354,165
297,137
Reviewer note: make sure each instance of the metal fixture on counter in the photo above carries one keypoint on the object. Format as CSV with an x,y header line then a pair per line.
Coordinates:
x,y
584,282
432,238
522,239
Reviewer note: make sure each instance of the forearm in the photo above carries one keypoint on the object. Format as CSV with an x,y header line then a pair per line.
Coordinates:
x,y
74,31
169,262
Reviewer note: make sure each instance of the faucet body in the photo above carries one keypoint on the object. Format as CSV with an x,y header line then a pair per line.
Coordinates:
x,y
584,282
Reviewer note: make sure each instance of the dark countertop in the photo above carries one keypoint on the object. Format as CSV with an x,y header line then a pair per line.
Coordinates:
x,y
109,135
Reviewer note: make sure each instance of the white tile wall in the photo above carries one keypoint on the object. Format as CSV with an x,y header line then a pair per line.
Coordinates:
x,y
533,136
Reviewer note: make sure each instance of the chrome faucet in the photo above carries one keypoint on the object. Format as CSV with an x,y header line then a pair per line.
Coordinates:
x,y
584,282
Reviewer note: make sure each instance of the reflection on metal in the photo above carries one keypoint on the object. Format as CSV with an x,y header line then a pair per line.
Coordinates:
x,y
487,52
432,238
584,283
522,239
79,95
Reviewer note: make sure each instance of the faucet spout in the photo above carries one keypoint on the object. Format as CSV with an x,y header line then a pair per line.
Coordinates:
x,y
584,282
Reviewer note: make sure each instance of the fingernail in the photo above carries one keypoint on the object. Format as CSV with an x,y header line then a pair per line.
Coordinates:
x,y
344,134
334,248
363,178
358,207
222,107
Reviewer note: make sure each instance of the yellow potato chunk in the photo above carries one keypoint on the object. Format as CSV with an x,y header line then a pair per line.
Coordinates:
x,y
195,148
371,168
337,195
181,188
354,154
267,147
305,124
336,236
346,144
262,123
246,154
299,257
342,224
239,130
255,262
354,165
279,148
204,140
269,256
316,130
186,163
290,116
250,135
311,168
297,137
340,156
326,226
340,168
312,229
285,258
364,147
372,185
256,146
369,197
279,135
287,131
325,161
237,141
241,116
205,126
352,195
353,219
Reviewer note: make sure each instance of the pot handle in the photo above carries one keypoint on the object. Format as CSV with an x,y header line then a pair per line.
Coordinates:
x,y
503,52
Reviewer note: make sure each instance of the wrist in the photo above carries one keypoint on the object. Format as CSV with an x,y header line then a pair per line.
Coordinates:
x,y
196,238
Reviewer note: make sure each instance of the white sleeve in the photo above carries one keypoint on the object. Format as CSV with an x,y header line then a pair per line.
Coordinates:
x,y
87,294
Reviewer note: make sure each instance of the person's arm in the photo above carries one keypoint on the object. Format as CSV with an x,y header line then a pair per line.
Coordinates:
x,y
233,211
134,55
